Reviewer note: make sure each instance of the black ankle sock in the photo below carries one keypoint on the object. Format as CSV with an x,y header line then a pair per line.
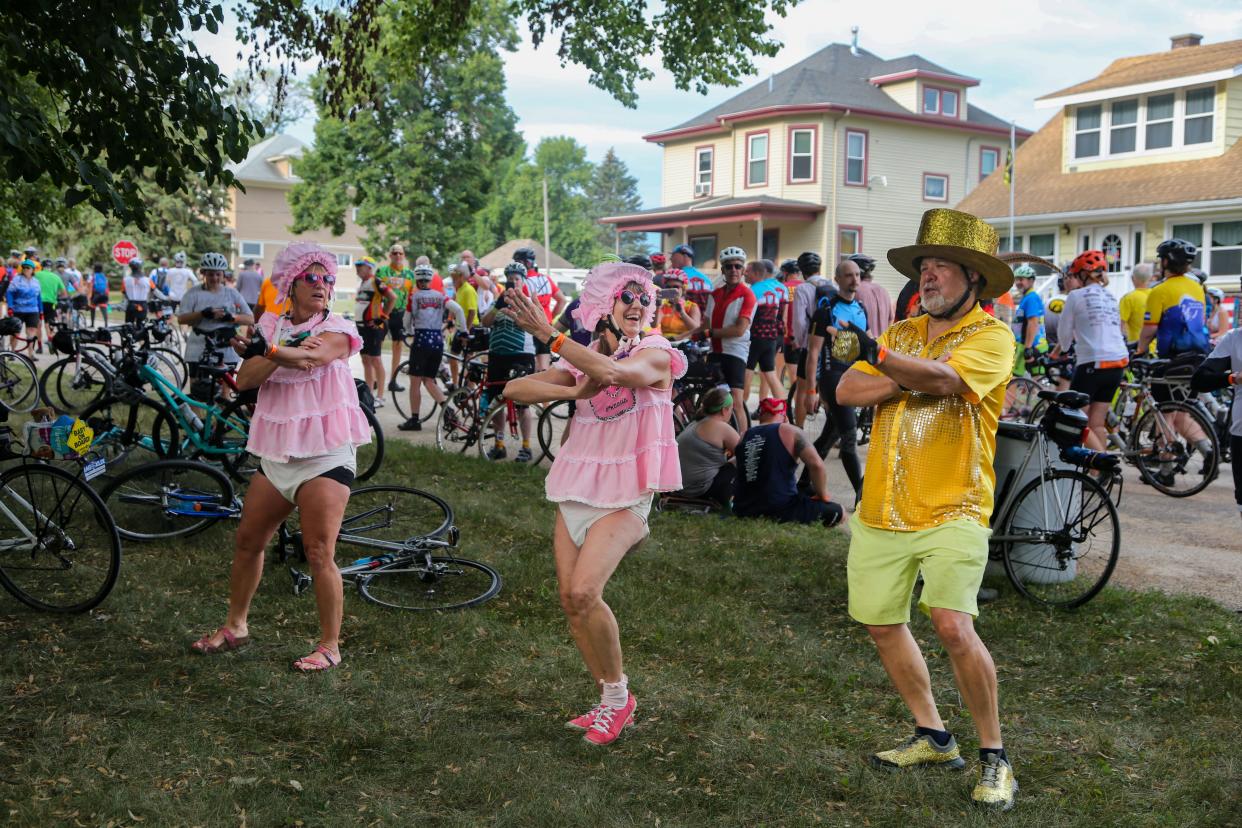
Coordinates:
x,y
1000,752
940,737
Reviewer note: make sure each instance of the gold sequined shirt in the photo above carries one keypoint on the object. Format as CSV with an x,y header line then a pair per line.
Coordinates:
x,y
931,456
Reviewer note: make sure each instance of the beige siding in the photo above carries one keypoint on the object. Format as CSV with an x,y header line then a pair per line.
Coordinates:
x,y
905,93
678,173
1232,109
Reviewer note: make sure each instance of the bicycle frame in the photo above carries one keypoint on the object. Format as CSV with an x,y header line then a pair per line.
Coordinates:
x,y
174,398
1006,495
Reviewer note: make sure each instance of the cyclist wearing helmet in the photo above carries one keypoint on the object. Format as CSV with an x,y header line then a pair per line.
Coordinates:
x,y
1069,281
510,352
1028,319
659,264
1218,320
209,307
640,259
99,293
1176,308
543,290
396,276
875,299
71,278
52,291
424,318
677,316
790,277
180,279
726,322
373,305
24,299
698,286
767,331
816,288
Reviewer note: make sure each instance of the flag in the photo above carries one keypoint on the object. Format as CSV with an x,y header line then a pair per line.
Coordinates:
x,y
1009,167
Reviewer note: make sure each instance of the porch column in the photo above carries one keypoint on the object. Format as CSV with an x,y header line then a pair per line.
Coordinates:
x,y
685,234
759,237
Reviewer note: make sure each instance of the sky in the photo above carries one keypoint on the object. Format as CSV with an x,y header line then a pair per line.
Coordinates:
x,y
1018,49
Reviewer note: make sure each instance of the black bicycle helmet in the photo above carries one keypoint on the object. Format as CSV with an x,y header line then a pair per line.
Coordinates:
x,y
809,263
865,263
1177,252
640,259
789,266
515,269
526,255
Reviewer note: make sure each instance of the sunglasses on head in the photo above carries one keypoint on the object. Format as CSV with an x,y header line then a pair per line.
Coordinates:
x,y
316,278
628,297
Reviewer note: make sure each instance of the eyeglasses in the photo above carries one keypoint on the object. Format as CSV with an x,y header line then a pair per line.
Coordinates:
x,y
315,278
628,298
733,266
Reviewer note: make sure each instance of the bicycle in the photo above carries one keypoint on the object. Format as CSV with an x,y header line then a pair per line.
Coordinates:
x,y
18,377
93,363
464,422
169,499
1022,400
701,376
409,536
1058,535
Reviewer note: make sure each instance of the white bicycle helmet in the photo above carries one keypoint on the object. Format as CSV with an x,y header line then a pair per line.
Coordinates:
x,y
732,253
423,272
213,261
180,258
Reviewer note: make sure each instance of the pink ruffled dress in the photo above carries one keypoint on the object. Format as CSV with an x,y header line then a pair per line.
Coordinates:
x,y
621,446
308,413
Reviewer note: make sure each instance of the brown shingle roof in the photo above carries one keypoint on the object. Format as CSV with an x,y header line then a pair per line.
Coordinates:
x,y
1044,188
502,255
1175,63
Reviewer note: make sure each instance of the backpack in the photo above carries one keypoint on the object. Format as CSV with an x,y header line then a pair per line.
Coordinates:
x,y
1190,333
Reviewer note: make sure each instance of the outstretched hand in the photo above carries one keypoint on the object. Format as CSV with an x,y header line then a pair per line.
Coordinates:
x,y
527,313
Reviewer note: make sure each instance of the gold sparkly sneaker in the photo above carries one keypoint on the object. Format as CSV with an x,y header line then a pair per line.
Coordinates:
x,y
919,750
997,786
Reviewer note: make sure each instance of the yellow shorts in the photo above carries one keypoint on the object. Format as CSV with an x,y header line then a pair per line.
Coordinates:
x,y
883,565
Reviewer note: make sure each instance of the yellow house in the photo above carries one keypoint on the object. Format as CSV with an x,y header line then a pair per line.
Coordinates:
x,y
840,153
258,220
1148,150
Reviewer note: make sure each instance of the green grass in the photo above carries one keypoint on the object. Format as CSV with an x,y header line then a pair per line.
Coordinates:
x,y
758,697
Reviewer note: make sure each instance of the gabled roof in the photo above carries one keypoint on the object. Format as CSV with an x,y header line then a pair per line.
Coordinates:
x,y
714,211
834,78
1044,188
502,255
1174,63
257,168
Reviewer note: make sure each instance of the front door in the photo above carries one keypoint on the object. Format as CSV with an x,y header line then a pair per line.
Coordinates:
x,y
1112,240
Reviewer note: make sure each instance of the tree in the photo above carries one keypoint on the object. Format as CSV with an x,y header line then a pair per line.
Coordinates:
x,y
272,105
91,97
420,167
612,192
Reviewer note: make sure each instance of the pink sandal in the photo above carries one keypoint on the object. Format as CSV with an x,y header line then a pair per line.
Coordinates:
x,y
231,642
305,665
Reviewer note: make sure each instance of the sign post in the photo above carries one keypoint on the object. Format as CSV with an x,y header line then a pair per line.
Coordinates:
x,y
123,251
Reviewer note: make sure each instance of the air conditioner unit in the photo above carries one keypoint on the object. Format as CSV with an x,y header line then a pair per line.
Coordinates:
x,y
702,190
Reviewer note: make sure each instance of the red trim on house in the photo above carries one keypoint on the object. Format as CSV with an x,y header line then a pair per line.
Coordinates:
x,y
845,166
712,189
945,176
694,218
858,247
789,146
817,109
767,159
940,92
999,159
961,80
755,206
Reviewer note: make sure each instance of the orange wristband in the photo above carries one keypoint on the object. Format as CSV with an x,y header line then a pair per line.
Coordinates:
x,y
555,347
883,355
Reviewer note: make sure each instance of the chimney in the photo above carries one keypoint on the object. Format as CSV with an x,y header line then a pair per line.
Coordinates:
x,y
854,42
1184,41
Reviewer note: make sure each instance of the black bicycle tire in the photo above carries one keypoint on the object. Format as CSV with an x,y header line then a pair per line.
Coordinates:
x,y
498,408
377,437
1031,385
1087,481
454,404
1204,424
150,469
129,436
492,590
238,465
177,360
102,516
546,440
50,386
30,399
1037,411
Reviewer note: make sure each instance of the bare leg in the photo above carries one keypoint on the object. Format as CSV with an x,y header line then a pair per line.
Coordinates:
x,y
743,416
321,506
974,671
908,671
396,356
1097,426
566,553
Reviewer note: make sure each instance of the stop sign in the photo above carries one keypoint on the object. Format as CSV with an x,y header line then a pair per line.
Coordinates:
x,y
123,251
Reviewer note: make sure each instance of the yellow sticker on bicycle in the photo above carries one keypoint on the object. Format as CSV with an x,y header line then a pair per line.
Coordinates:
x,y
80,437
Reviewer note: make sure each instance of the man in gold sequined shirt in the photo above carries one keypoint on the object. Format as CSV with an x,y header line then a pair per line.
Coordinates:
x,y
938,383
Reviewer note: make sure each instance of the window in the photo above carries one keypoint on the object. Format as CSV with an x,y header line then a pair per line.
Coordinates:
x,y
1159,121
251,249
771,243
703,161
931,100
1192,233
704,248
849,240
1043,244
1123,120
1087,132
935,187
1200,104
1005,247
948,103
802,155
940,101
1226,252
1111,245
989,160
344,260
757,159
856,158
353,215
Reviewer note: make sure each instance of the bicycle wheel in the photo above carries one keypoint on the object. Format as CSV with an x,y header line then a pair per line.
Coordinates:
x,y
427,405
430,583
1060,539
230,432
370,456
1038,411
384,519
59,548
497,424
1167,458
169,364
1021,397
169,499
457,426
70,386
19,384
553,423
137,430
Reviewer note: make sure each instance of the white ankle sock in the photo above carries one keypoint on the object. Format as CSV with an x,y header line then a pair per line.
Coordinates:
x,y
616,694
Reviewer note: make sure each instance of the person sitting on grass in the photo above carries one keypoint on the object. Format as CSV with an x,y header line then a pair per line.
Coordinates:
x,y
306,428
705,448
767,457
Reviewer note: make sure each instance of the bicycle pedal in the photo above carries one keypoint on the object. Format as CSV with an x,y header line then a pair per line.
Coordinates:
x,y
301,581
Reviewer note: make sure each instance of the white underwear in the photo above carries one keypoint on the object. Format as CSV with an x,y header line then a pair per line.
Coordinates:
x,y
288,476
579,517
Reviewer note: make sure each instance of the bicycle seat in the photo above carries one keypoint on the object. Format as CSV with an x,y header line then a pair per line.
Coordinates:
x,y
1066,399
1018,431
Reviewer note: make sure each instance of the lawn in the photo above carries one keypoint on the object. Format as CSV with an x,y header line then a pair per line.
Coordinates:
x,y
758,697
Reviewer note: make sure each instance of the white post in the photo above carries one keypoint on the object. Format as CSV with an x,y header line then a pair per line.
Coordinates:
x,y
547,242
759,238
1013,168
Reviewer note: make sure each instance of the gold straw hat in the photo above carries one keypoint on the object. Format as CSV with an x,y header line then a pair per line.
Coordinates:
x,y
958,237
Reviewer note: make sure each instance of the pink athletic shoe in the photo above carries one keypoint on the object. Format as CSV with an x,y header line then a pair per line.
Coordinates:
x,y
610,721
584,721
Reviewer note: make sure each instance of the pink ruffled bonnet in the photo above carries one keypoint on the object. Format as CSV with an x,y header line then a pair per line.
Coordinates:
x,y
293,261
602,287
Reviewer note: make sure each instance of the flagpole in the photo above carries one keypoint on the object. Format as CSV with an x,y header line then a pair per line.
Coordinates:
x,y
1012,159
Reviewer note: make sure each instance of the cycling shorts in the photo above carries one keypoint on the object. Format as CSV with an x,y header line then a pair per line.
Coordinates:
x,y
733,368
396,327
1100,384
762,354
425,362
372,339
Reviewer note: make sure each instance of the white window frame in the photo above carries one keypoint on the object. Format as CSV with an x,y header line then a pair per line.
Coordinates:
x,y
752,158
844,231
1148,122
344,259
794,155
1098,129
1206,250
703,185
927,110
1135,125
1209,116
928,176
945,96
1178,120
993,151
861,182
250,254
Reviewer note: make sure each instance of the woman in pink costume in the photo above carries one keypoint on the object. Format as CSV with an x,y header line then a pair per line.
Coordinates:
x,y
620,450
306,428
